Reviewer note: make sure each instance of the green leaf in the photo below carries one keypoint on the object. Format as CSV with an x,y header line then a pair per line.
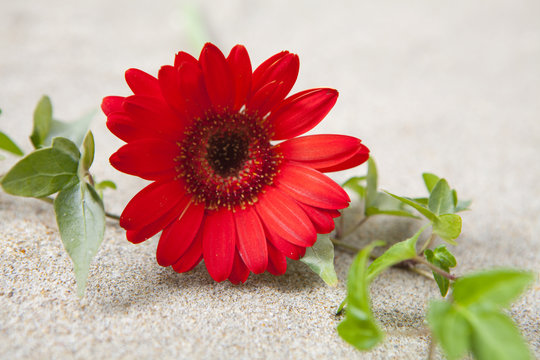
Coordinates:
x,y
9,145
430,180
421,209
384,204
81,220
74,131
320,259
497,287
359,327
496,337
397,253
87,157
441,199
355,184
371,187
463,205
105,184
442,258
42,122
448,227
44,171
450,328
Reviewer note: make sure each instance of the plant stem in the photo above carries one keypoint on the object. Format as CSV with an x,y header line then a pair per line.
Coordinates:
x,y
355,227
50,200
427,243
434,268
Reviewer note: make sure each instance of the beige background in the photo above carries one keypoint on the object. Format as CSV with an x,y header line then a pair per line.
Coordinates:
x,y
451,87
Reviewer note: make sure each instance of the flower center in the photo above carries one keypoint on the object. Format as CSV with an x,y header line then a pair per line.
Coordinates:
x,y
226,160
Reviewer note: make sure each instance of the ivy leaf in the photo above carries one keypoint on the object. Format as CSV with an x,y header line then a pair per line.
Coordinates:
x,y
355,184
371,184
448,227
441,199
430,180
443,259
359,327
499,287
450,328
81,220
87,157
320,259
474,321
397,253
44,171
9,145
42,122
421,209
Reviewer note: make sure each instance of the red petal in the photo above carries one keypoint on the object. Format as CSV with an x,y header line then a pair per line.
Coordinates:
x,y
219,238
191,257
142,83
311,187
299,114
283,216
150,159
169,81
217,77
122,126
251,241
266,99
277,263
359,158
261,69
284,69
112,104
320,151
146,232
183,57
154,113
179,235
239,272
151,203
193,90
323,222
286,248
240,66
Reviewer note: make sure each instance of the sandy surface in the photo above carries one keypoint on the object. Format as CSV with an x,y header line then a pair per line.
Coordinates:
x,y
448,87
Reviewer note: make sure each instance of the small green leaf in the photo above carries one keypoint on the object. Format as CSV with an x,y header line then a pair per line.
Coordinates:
x,y
359,327
9,145
442,258
87,157
81,220
421,209
430,180
42,122
441,199
355,184
74,131
496,337
371,187
384,204
397,253
497,287
105,184
320,259
67,147
463,205
448,227
450,329
43,172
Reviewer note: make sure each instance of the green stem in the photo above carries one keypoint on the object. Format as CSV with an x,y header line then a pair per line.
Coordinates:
x,y
427,244
434,268
355,227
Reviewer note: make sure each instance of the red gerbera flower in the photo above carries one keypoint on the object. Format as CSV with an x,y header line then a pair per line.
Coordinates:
x,y
222,191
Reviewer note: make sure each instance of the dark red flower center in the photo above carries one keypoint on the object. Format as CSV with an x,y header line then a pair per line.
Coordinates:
x,y
226,160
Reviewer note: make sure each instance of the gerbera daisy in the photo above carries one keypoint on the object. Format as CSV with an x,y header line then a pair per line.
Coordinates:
x,y
204,132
